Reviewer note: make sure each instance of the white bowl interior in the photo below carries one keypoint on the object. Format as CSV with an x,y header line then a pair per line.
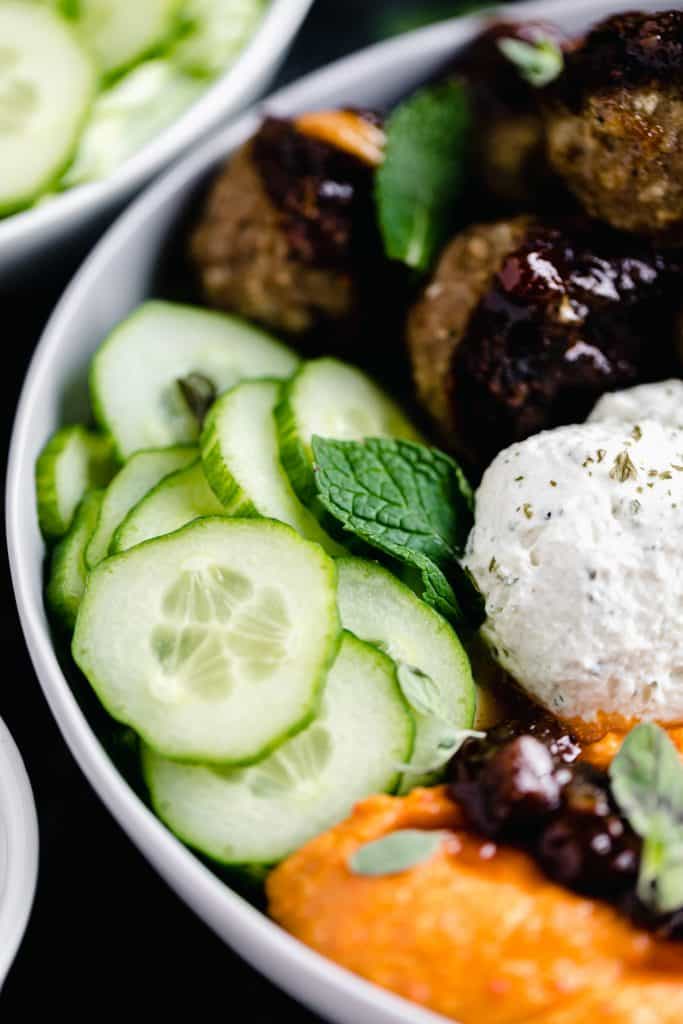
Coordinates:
x,y
18,850
118,275
38,229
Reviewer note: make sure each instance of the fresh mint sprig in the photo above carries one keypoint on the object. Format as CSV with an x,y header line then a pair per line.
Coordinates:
x,y
410,502
647,783
419,186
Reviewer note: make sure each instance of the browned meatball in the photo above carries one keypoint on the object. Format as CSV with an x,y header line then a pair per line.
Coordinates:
x,y
287,232
525,324
509,142
614,124
439,321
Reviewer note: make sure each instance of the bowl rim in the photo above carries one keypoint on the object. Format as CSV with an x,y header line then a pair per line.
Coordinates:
x,y
297,969
275,32
19,844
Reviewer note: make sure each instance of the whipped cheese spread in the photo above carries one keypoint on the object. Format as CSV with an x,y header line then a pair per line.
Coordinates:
x,y
578,550
662,401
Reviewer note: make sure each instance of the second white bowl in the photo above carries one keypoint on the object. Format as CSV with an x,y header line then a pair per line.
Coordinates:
x,y
42,232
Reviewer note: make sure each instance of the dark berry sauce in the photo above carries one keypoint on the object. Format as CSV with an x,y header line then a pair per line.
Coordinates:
x,y
323,193
523,785
573,312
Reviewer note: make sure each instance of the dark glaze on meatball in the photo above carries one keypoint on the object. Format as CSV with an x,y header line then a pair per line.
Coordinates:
x,y
614,123
510,163
323,194
567,312
288,234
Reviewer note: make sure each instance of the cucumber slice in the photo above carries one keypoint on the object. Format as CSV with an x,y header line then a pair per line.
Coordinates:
x,y
375,606
122,32
241,460
47,83
72,462
134,374
258,815
214,33
331,399
127,115
68,571
201,641
141,473
174,502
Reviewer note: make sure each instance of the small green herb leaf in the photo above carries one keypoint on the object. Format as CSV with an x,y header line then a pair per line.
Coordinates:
x,y
538,63
419,185
199,394
396,494
410,502
396,852
647,783
460,600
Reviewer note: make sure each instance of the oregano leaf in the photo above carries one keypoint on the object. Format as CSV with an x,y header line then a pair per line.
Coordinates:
x,y
647,783
396,852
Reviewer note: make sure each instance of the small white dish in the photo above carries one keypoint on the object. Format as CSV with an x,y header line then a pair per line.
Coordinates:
x,y
42,231
120,273
18,850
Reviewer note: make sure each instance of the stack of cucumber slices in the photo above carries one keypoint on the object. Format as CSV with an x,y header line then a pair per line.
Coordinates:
x,y
84,84
270,676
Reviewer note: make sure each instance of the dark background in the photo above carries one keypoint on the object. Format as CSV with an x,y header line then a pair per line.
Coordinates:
x,y
106,936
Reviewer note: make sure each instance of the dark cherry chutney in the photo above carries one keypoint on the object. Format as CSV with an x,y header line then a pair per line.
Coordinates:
x,y
524,785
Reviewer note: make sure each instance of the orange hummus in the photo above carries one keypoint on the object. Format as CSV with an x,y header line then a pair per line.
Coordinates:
x,y
603,751
476,933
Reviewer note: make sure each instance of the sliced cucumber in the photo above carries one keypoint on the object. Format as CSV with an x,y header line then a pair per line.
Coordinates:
x,y
68,571
174,502
242,462
72,462
215,32
258,815
201,641
433,665
134,376
331,399
122,32
127,115
47,83
141,473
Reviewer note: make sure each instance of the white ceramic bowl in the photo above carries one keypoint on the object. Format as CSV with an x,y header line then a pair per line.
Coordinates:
x,y
18,850
117,276
45,229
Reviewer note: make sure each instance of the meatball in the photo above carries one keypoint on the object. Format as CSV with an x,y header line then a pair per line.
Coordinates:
x,y
614,123
509,144
287,233
440,320
525,324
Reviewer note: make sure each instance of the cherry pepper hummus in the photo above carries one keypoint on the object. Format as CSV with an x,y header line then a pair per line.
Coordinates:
x,y
476,932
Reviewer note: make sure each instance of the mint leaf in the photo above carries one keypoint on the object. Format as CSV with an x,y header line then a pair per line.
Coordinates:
x,y
396,494
647,783
458,600
419,185
399,851
410,502
539,63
